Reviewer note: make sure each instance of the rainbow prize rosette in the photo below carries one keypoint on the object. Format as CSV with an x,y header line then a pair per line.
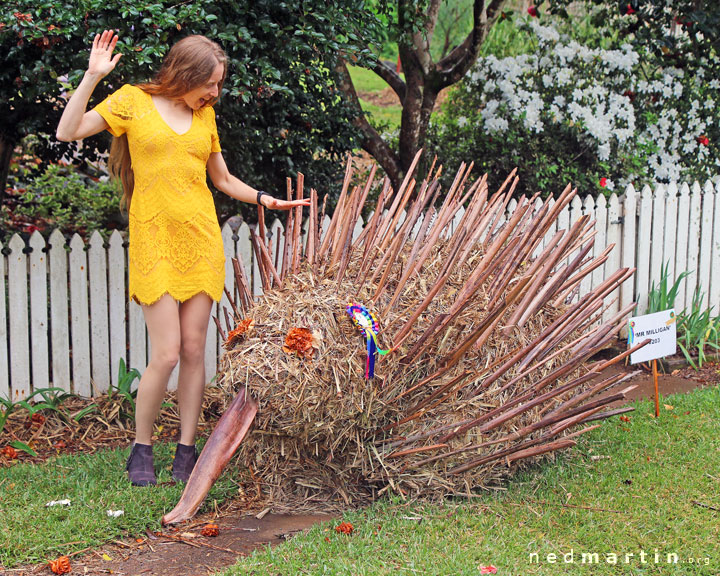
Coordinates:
x,y
368,325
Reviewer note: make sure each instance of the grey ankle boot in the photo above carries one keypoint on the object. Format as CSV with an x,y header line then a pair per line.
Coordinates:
x,y
184,462
140,467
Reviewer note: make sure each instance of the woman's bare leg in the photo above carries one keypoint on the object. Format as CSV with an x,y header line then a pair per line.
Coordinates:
x,y
163,323
194,318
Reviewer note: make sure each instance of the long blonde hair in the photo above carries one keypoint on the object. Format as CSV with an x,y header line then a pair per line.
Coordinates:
x,y
189,65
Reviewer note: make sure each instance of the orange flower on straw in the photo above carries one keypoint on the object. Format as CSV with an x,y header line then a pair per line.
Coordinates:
x,y
344,528
301,341
37,419
61,565
211,530
9,452
236,335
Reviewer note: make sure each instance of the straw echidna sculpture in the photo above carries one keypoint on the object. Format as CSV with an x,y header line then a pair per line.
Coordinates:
x,y
425,353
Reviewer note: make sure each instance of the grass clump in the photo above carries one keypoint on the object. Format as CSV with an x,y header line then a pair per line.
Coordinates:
x,y
698,331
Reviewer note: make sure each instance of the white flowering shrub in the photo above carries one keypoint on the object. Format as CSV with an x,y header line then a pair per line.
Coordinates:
x,y
589,116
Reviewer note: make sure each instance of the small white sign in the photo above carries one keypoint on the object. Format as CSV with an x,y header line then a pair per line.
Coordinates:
x,y
660,328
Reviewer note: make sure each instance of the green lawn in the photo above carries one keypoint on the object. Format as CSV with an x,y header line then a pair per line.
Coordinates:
x,y
645,488
32,532
386,118
366,80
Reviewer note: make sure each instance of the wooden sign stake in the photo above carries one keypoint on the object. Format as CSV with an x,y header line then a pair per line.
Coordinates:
x,y
655,380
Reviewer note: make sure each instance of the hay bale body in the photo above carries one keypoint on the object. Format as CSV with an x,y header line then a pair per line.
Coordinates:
x,y
469,390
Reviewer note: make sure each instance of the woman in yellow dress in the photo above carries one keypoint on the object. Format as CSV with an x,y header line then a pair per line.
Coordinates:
x,y
165,145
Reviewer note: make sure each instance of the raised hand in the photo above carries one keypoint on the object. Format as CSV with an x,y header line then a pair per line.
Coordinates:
x,y
102,62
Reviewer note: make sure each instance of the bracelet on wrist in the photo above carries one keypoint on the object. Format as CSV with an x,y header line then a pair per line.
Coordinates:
x,y
259,195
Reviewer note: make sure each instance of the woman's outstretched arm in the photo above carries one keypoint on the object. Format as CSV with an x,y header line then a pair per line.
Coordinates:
x,y
75,123
236,188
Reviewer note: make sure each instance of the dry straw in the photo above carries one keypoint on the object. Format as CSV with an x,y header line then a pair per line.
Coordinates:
x,y
493,345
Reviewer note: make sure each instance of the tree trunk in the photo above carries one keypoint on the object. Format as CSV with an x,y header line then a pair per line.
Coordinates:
x,y
420,97
372,142
415,121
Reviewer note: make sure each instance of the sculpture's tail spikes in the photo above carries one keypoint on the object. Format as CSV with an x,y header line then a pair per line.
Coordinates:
x,y
220,447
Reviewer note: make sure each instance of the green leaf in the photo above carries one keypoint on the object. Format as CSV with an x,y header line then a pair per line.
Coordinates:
x,y
80,414
22,447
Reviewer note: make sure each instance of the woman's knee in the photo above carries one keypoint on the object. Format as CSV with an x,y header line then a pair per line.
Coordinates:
x,y
166,358
192,350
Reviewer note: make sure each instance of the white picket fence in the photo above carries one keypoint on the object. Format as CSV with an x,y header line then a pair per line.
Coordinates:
x,y
65,320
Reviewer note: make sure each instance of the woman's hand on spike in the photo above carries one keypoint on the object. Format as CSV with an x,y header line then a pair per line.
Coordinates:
x,y
277,204
102,61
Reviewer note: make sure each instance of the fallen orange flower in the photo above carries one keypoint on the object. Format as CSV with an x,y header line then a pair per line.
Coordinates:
x,y
9,452
301,341
61,565
37,419
211,530
344,528
236,335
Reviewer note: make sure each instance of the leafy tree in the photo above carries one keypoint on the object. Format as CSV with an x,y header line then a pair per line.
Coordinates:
x,y
280,112
413,24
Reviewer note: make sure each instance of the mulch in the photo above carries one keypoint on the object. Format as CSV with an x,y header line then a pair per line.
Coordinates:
x,y
106,424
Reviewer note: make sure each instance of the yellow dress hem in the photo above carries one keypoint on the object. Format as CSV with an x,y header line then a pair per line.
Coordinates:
x,y
173,293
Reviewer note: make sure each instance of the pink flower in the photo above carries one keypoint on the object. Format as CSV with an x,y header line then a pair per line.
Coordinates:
x,y
629,10
490,569
603,182
703,140
532,10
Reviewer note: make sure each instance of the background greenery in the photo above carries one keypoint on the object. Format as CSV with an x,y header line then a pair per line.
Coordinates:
x,y
282,111
279,112
673,136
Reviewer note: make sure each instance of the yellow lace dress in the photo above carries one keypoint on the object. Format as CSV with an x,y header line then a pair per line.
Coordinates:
x,y
175,241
